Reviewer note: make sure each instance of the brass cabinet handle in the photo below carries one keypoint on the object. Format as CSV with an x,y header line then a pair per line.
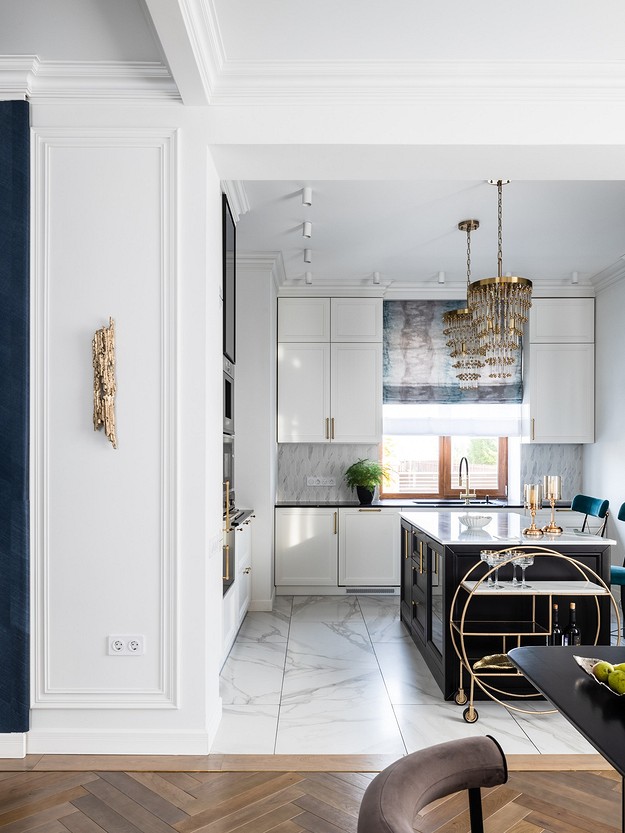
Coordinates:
x,y
335,520
332,432
533,428
406,544
327,428
420,557
369,510
435,563
227,576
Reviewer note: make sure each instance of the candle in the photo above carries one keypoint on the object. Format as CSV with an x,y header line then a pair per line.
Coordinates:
x,y
534,496
553,486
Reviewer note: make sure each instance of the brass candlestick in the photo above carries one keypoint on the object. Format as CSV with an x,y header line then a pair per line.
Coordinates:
x,y
553,491
533,500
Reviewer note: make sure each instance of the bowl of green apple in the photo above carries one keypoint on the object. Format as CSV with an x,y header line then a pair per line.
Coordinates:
x,y
603,672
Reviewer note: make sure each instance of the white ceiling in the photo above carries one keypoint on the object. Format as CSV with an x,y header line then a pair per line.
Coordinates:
x,y
408,231
300,90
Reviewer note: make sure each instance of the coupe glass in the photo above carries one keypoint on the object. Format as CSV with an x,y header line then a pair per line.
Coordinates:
x,y
493,559
524,561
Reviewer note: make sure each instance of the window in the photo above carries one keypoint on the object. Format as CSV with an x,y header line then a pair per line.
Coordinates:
x,y
427,466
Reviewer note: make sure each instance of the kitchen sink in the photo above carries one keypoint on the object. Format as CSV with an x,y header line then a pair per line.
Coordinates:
x,y
455,502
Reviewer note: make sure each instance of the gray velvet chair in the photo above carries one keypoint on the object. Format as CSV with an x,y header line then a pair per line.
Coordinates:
x,y
399,792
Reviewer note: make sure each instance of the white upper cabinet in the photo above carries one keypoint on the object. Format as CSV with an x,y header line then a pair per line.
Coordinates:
x,y
330,390
304,319
562,321
561,371
356,319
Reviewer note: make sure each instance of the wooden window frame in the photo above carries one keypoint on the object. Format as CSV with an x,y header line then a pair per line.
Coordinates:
x,y
444,476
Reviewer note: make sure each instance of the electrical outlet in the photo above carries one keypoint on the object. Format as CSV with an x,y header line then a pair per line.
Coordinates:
x,y
321,481
120,644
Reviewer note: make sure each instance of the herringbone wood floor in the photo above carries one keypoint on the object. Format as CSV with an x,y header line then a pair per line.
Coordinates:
x,y
288,802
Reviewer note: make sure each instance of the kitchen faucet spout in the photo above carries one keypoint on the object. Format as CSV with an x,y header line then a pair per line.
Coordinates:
x,y
467,493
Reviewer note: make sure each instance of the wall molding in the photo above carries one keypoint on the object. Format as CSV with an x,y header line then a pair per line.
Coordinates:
x,y
609,276
52,742
235,191
263,262
28,75
166,693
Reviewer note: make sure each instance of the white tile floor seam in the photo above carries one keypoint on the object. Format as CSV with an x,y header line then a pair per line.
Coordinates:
x,y
340,675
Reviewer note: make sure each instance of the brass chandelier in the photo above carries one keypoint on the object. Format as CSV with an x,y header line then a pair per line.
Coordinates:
x,y
460,330
499,309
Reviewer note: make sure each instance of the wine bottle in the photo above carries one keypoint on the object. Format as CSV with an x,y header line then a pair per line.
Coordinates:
x,y
572,634
556,630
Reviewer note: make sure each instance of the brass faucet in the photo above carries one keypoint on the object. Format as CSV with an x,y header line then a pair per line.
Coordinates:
x,y
467,493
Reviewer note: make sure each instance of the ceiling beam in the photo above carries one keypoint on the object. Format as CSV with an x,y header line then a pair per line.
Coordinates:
x,y
191,41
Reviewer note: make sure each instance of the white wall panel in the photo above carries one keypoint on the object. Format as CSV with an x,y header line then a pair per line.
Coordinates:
x,y
104,519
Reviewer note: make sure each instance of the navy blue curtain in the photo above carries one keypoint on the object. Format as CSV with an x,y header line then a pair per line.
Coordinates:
x,y
14,377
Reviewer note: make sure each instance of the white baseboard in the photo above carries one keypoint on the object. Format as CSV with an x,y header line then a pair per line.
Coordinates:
x,y
12,745
261,604
215,720
118,743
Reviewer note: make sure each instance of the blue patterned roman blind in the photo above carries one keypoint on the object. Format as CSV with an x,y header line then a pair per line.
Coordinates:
x,y
14,363
417,365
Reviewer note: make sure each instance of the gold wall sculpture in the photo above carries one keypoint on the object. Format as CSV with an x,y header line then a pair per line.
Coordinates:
x,y
104,386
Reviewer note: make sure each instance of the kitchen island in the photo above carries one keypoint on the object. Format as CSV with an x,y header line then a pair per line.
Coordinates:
x,y
436,553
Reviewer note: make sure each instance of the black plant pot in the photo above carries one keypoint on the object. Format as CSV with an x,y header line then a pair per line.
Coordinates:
x,y
365,496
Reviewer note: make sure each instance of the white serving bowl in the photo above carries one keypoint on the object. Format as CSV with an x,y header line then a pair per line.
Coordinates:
x,y
475,521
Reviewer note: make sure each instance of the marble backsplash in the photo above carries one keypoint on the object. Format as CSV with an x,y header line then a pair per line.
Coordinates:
x,y
566,460
296,462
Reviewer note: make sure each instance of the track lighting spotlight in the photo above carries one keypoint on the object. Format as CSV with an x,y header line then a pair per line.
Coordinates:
x,y
307,255
307,196
308,277
574,277
441,277
307,229
376,278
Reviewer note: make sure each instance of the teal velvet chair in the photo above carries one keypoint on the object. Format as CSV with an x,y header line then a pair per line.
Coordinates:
x,y
591,507
617,574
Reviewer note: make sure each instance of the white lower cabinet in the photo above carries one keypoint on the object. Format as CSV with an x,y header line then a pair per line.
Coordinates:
x,y
306,546
369,546
236,602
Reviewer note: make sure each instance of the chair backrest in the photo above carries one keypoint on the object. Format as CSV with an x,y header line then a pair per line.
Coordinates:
x,y
621,512
594,506
396,794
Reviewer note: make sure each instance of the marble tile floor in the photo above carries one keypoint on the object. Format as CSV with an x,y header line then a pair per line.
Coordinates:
x,y
339,675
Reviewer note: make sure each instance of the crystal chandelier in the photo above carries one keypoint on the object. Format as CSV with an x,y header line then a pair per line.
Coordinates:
x,y
460,330
499,308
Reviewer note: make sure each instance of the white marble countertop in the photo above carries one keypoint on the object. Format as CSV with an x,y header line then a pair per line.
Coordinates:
x,y
504,528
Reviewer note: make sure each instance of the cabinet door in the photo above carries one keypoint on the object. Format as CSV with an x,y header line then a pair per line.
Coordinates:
x,y
356,393
368,545
562,320
303,319
243,583
306,546
303,393
562,393
356,319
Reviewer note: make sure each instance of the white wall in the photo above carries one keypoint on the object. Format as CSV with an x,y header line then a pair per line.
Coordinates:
x,y
126,223
604,461
255,415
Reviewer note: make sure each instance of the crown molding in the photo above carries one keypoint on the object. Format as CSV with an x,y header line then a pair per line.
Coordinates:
x,y
402,82
271,262
237,197
609,276
28,76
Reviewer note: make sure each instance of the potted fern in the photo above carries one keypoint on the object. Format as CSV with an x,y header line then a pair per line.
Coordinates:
x,y
364,475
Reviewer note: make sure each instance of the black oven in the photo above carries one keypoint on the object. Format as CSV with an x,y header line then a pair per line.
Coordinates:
x,y
228,472
228,397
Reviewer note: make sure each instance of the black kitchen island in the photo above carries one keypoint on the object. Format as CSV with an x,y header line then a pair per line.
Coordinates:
x,y
436,553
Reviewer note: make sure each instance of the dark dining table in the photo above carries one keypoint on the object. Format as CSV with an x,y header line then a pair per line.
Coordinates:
x,y
597,713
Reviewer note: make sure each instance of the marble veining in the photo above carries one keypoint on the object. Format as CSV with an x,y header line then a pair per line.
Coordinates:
x,y
297,461
539,459
344,680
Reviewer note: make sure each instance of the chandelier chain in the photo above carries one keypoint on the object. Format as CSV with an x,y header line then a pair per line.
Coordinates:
x,y
499,225
468,256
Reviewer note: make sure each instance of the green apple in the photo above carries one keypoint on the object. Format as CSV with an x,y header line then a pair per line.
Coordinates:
x,y
620,666
616,681
602,670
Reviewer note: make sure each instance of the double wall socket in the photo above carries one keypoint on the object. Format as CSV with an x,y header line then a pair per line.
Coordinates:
x,y
321,481
126,644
